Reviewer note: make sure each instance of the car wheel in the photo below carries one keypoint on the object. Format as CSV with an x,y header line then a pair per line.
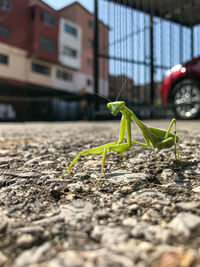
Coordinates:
x,y
186,99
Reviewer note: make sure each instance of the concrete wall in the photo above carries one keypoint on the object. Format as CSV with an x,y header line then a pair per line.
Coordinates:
x,y
39,78
17,61
60,83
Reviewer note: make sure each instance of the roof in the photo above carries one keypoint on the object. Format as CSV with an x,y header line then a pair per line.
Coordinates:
x,y
73,4
83,8
41,4
183,12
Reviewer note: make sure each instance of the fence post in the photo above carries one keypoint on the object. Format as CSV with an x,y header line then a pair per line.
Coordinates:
x,y
96,54
152,59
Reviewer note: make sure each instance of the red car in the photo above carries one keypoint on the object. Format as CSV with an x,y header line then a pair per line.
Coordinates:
x,y
181,88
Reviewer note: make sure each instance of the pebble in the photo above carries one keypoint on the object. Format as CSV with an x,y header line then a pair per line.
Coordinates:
x,y
76,210
185,223
25,241
189,206
166,174
33,255
196,189
108,235
126,177
3,259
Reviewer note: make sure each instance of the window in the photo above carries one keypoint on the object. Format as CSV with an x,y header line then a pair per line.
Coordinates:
x,y
40,69
63,75
71,30
90,24
89,62
48,19
47,44
5,5
90,43
4,31
67,51
3,59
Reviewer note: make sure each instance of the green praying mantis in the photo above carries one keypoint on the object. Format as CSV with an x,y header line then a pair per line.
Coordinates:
x,y
154,137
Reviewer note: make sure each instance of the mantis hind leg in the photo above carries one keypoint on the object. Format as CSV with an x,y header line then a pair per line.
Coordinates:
x,y
175,137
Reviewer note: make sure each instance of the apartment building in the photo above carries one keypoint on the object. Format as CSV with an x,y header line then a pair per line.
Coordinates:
x,y
47,52
69,55
28,42
84,76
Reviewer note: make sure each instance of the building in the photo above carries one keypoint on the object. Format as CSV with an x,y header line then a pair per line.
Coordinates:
x,y
27,55
44,52
84,77
117,82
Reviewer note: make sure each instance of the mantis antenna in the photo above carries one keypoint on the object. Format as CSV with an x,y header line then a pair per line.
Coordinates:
x,y
121,89
103,97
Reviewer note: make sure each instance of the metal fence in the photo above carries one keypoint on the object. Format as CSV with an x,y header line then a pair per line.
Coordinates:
x,y
146,38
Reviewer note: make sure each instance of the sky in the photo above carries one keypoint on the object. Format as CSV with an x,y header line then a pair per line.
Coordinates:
x,y
57,4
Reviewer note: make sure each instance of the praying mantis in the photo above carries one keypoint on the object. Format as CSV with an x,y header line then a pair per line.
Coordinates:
x,y
154,137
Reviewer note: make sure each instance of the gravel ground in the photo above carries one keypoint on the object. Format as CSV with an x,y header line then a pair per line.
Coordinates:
x,y
145,212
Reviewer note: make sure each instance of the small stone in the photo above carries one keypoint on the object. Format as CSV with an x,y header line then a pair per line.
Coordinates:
x,y
70,197
28,174
5,160
173,258
80,175
76,187
47,163
23,174
25,241
67,258
139,229
76,210
130,222
3,259
4,152
133,207
109,235
33,255
3,226
184,223
166,174
126,177
143,193
157,234
187,205
126,189
196,189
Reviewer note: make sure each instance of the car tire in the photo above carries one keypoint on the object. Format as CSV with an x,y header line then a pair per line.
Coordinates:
x,y
186,99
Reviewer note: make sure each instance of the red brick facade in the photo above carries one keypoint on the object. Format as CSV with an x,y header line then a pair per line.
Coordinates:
x,y
26,27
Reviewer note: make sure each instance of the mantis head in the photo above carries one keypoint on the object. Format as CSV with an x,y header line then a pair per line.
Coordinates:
x,y
115,107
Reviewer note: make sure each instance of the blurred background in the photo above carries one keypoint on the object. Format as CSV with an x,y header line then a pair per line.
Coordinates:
x,y
56,57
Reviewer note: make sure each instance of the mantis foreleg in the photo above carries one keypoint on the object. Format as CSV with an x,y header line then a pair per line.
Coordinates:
x,y
110,147
95,150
